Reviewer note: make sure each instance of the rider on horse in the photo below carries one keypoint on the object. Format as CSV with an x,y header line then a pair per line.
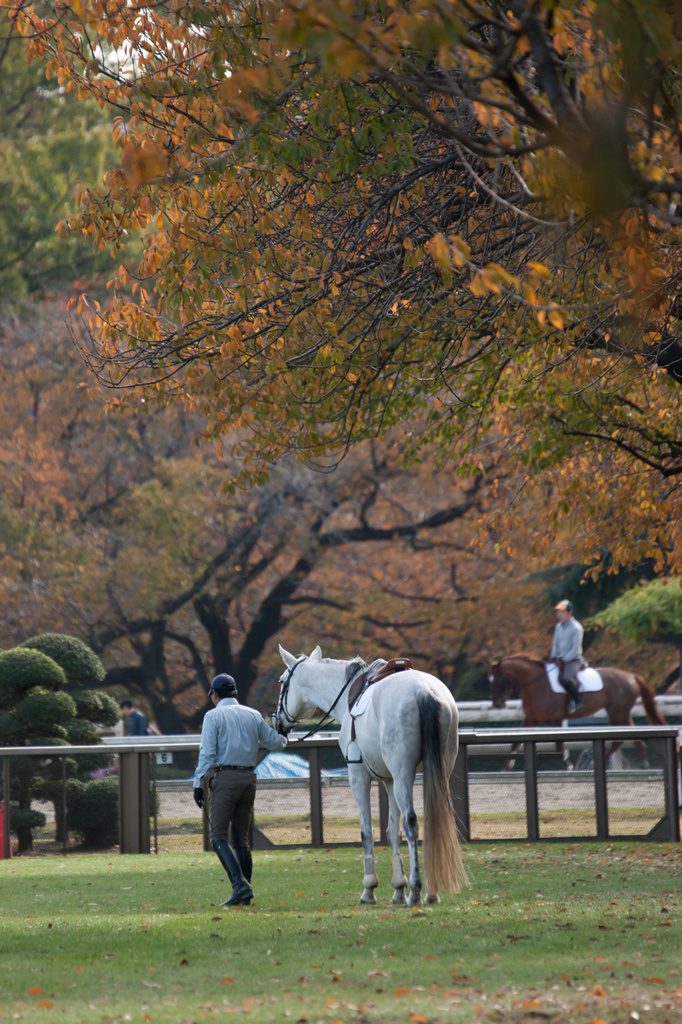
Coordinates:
x,y
567,650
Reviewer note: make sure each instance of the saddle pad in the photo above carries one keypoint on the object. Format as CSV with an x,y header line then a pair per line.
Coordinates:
x,y
588,679
362,703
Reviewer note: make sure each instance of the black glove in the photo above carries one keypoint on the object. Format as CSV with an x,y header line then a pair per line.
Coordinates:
x,y
198,796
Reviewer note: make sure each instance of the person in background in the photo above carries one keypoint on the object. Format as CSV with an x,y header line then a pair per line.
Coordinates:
x,y
567,651
231,736
135,722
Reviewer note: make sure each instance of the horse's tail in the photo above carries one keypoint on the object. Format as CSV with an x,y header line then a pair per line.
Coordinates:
x,y
443,862
653,715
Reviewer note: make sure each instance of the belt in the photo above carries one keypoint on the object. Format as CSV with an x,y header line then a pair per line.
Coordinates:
x,y
234,768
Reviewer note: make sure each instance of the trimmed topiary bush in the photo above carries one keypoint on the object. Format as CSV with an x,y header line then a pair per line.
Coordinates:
x,y
35,710
80,664
21,669
93,814
46,712
11,733
81,733
97,707
22,818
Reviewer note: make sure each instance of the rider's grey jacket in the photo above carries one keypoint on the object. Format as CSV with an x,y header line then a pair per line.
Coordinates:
x,y
568,640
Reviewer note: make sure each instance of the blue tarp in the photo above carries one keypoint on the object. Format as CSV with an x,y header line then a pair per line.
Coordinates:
x,y
283,766
289,766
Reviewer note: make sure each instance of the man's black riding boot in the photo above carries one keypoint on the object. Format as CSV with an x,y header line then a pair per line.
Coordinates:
x,y
245,859
241,890
573,692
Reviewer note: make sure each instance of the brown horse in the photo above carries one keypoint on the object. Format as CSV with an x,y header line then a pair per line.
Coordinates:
x,y
542,706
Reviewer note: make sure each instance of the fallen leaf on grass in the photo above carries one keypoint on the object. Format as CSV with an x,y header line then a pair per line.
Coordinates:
x,y
656,981
46,1003
228,981
35,991
402,992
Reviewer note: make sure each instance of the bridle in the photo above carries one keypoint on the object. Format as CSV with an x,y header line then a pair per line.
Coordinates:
x,y
282,702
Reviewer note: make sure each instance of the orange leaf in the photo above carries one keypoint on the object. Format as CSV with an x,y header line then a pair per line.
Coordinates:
x,y
431,956
36,991
46,1003
419,1018
226,981
657,981
402,991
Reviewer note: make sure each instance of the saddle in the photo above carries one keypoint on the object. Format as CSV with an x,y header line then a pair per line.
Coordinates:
x,y
379,669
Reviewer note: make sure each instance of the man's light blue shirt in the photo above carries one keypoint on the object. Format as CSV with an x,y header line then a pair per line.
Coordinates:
x,y
232,734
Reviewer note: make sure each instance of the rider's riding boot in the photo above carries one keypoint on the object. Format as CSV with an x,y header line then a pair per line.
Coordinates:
x,y
574,693
243,854
241,889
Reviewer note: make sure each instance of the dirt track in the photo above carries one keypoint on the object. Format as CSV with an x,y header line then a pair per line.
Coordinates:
x,y
485,797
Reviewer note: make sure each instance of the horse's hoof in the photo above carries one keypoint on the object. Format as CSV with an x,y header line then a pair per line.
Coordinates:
x,y
415,901
368,897
432,898
399,898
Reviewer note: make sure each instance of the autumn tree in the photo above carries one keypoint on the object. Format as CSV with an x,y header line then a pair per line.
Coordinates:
x,y
364,215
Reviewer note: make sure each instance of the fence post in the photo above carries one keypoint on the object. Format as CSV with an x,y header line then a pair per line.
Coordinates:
x,y
133,798
65,833
530,768
670,780
316,827
7,847
601,804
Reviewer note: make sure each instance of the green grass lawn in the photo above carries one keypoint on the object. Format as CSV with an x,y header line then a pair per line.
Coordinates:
x,y
561,932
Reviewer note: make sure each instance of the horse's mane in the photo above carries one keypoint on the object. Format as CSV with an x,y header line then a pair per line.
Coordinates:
x,y
353,667
524,656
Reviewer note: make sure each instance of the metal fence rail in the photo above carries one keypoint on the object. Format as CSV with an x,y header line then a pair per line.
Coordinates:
x,y
535,802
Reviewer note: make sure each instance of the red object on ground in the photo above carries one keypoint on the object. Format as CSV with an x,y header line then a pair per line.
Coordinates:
x,y
2,833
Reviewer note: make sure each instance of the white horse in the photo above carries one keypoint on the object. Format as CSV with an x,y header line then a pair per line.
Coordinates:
x,y
411,718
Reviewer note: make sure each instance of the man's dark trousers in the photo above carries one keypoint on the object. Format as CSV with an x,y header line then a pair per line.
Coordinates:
x,y
233,793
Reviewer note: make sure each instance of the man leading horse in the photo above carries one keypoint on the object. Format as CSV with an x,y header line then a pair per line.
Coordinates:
x,y
567,651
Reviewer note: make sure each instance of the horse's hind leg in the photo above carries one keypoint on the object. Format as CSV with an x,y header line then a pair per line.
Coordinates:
x,y
403,796
360,783
398,878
